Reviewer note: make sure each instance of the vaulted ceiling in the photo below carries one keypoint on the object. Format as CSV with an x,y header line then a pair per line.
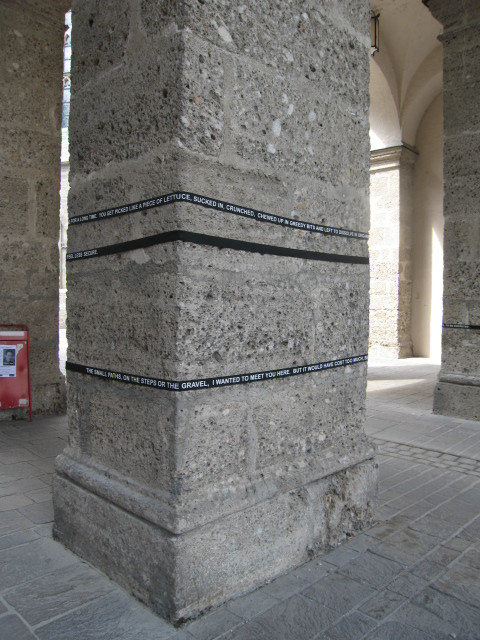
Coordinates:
x,y
406,74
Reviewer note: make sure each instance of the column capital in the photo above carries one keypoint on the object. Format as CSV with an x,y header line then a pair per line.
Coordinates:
x,y
392,157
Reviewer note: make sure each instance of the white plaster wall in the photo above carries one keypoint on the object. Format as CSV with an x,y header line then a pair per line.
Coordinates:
x,y
384,120
62,241
427,289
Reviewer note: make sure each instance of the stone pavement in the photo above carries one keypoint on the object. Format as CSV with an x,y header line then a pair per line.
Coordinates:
x,y
414,575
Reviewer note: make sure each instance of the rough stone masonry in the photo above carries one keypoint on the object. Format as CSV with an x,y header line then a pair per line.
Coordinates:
x,y
189,497
31,41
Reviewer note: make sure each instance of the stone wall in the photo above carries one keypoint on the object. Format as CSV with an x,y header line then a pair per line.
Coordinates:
x,y
189,498
31,37
391,242
458,390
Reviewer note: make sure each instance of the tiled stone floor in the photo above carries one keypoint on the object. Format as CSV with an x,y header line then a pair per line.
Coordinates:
x,y
413,575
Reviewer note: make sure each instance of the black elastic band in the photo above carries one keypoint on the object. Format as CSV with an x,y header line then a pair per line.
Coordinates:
x,y
213,241
220,381
448,325
218,205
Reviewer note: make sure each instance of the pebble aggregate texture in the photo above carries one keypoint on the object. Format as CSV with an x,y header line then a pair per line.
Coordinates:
x,y
458,390
188,499
31,38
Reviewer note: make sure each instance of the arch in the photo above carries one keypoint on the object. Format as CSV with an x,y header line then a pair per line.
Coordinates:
x,y
385,130
423,89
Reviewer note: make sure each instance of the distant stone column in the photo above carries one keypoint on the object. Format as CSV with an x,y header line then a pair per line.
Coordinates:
x,y
458,390
391,245
31,63
180,482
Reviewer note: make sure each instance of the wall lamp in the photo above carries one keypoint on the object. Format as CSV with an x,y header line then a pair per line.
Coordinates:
x,y
374,33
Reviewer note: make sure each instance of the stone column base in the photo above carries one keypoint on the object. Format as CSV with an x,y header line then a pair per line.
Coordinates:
x,y
460,398
179,575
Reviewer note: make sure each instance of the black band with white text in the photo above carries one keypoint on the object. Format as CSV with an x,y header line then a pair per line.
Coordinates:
x,y
449,325
213,241
210,383
218,205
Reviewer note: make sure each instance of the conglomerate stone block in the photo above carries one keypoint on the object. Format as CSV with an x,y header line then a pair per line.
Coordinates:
x,y
131,120
109,25
13,191
266,124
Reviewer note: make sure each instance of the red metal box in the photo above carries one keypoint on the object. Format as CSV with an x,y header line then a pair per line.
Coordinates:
x,y
15,392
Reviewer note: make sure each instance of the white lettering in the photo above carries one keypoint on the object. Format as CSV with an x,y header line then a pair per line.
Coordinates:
x,y
195,384
240,210
221,381
266,216
297,223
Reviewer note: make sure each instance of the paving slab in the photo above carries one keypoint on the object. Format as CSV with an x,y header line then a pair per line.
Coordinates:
x,y
350,627
428,570
38,512
382,604
286,586
434,526
341,556
462,616
18,538
28,561
115,616
212,624
299,617
22,486
399,631
338,592
471,558
17,471
372,569
14,454
58,592
407,546
12,628
461,582
13,521
251,605
408,585
423,620
472,531
14,501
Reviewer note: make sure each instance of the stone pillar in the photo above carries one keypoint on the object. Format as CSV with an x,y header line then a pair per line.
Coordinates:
x,y
187,497
458,390
31,40
391,244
